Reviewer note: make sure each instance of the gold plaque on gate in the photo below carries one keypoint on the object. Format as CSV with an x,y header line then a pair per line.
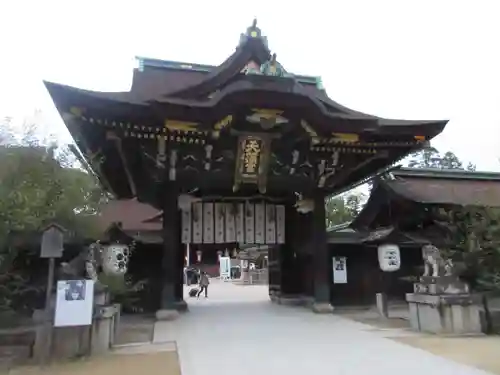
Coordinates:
x,y
252,160
251,155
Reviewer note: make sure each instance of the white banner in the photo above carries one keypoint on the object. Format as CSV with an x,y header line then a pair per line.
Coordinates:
x,y
339,270
225,268
74,303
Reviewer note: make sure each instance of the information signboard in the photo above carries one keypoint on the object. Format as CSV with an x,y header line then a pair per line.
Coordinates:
x,y
339,270
74,303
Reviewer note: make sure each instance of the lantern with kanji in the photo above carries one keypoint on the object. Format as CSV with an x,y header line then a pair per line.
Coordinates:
x,y
198,256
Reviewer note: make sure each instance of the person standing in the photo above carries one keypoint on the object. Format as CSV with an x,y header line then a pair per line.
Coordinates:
x,y
204,282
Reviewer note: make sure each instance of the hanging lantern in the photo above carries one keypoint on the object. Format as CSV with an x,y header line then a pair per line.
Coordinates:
x,y
389,257
219,255
115,259
198,256
226,253
235,253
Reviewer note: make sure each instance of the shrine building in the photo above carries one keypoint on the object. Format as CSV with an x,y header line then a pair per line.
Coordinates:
x,y
240,153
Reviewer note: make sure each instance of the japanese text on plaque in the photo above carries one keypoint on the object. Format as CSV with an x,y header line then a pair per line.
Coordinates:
x,y
251,155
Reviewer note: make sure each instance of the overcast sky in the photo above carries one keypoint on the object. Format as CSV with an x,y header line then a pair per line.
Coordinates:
x,y
433,59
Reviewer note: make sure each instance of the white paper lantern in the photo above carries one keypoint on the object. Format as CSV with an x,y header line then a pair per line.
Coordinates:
x,y
115,259
389,257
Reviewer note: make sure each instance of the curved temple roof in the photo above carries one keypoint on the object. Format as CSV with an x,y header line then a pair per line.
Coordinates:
x,y
185,105
189,85
431,187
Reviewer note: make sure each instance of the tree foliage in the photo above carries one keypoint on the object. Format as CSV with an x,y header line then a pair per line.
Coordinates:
x,y
40,184
37,189
473,237
344,208
431,158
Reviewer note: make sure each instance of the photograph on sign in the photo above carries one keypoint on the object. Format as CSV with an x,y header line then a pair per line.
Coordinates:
x,y
339,270
74,303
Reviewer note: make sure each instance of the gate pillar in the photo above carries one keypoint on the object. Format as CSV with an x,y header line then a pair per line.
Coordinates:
x,y
321,258
172,261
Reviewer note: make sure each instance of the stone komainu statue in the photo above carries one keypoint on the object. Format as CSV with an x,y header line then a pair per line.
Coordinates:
x,y
435,264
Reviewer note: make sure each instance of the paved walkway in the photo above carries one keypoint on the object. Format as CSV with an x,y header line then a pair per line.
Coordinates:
x,y
239,331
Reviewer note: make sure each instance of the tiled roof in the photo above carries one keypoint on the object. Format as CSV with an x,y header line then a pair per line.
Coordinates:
x,y
447,187
131,214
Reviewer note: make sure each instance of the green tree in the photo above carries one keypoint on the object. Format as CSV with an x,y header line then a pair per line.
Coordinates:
x,y
473,237
427,158
344,208
450,161
471,167
36,189
430,158
40,184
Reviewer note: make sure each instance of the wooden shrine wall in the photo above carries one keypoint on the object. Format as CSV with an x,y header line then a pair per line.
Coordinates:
x,y
259,223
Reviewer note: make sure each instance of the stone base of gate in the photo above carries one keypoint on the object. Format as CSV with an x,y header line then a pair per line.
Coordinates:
x,y
322,308
290,300
167,315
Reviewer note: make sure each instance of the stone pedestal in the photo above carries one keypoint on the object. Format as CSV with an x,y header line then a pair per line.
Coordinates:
x,y
71,342
245,276
440,285
382,305
444,305
104,327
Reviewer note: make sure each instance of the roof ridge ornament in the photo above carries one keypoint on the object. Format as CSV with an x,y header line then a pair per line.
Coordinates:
x,y
270,68
253,32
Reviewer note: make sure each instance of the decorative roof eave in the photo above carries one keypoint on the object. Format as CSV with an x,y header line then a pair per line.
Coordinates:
x,y
284,92
65,97
377,236
425,129
123,104
433,127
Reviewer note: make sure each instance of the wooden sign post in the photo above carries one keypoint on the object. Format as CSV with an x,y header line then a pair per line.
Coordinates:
x,y
51,248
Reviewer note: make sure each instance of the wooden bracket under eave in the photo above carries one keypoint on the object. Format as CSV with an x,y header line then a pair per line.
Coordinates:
x,y
221,124
339,178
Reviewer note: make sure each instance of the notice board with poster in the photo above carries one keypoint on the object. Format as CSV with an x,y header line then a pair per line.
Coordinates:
x,y
74,303
339,270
